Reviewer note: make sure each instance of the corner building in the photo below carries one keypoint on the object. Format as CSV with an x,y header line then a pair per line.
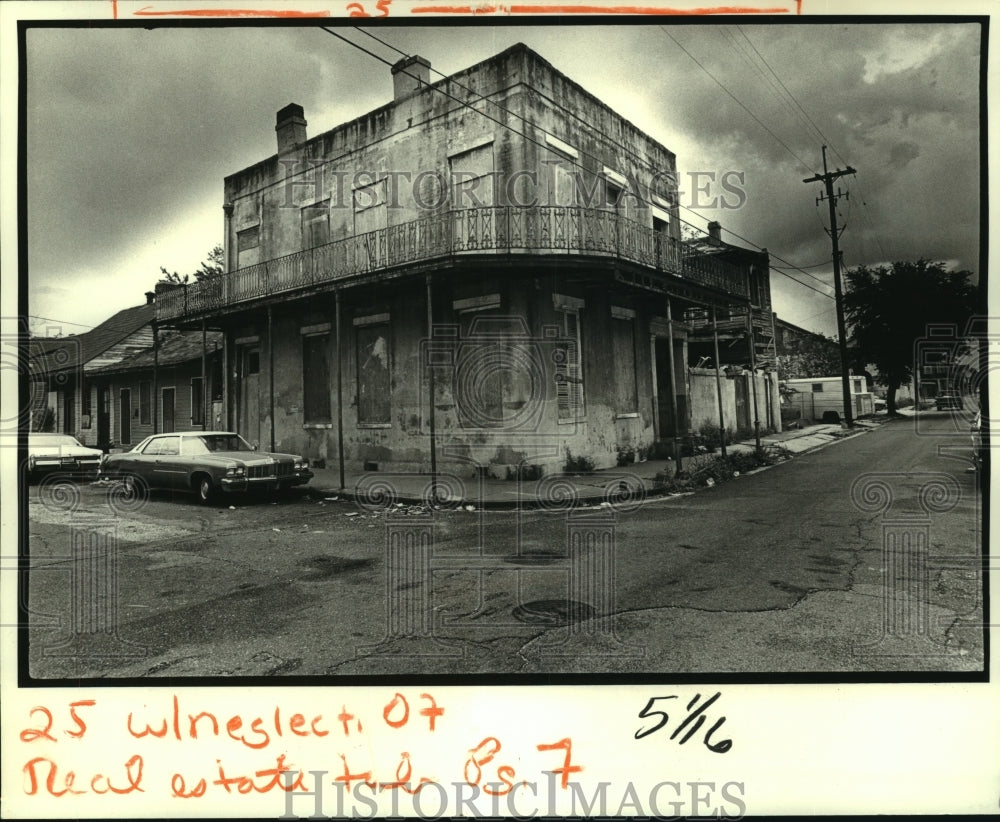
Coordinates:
x,y
484,274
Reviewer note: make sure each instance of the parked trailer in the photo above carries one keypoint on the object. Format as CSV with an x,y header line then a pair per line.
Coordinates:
x,y
820,398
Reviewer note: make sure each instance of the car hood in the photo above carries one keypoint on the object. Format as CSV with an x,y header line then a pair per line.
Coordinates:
x,y
249,457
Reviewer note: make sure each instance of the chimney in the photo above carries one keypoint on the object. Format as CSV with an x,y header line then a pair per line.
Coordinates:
x,y
408,75
291,127
715,233
150,297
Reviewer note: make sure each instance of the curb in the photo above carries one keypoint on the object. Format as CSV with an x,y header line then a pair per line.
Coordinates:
x,y
590,501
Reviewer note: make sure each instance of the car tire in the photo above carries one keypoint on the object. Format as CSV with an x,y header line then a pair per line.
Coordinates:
x,y
205,489
135,487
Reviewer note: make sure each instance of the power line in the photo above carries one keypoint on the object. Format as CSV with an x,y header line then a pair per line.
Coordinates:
x,y
721,85
64,322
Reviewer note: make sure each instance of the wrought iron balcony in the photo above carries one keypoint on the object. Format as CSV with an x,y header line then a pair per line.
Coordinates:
x,y
541,230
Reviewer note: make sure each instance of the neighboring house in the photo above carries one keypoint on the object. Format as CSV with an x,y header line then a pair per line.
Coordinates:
x,y
175,397
64,383
819,396
428,287
730,331
802,353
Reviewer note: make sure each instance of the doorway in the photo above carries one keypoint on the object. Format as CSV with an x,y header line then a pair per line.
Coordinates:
x,y
248,410
125,410
167,406
103,417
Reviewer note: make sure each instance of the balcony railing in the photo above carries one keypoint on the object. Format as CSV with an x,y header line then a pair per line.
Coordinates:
x,y
497,229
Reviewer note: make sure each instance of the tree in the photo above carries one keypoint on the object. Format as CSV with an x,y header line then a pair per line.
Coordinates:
x,y
808,355
212,266
889,308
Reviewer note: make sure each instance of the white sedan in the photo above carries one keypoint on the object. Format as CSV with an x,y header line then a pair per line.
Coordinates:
x,y
61,454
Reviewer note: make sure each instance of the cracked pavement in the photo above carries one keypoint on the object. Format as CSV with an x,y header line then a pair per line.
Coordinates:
x,y
776,571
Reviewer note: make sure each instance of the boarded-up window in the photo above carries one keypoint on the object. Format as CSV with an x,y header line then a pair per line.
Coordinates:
x,y
471,177
316,378
145,393
623,352
370,208
197,402
373,372
248,247
316,224
569,369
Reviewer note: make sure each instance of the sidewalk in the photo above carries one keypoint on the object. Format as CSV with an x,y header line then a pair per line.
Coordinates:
x,y
629,484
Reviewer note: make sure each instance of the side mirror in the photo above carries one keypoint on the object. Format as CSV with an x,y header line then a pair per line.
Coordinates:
x,y
254,446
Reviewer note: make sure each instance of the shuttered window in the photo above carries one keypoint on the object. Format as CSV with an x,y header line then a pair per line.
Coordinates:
x,y
569,369
316,378
374,365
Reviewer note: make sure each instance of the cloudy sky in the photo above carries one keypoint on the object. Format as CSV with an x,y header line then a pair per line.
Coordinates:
x,y
131,132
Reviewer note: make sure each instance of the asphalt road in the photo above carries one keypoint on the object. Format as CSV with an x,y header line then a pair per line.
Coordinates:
x,y
780,570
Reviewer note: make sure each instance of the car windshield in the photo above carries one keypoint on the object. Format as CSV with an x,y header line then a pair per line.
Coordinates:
x,y
216,442
53,441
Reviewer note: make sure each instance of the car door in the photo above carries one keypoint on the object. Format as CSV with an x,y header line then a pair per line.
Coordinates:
x,y
166,470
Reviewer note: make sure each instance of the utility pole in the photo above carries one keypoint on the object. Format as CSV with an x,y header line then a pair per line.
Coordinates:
x,y
827,178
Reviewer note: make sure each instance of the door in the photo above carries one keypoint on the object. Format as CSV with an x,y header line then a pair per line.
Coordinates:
x,y
103,417
167,405
69,416
248,413
742,403
125,408
665,390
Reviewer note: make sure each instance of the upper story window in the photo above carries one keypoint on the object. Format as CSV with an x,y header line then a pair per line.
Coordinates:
x,y
561,161
248,246
316,224
370,207
471,177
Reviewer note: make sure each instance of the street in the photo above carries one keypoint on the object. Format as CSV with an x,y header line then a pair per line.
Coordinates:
x,y
777,571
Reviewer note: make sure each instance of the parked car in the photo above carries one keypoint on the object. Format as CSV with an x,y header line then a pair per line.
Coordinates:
x,y
205,462
948,402
61,454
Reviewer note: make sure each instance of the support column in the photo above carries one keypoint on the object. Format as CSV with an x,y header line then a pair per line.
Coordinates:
x,y
227,393
430,378
204,378
753,375
656,395
340,388
156,377
678,445
718,382
270,369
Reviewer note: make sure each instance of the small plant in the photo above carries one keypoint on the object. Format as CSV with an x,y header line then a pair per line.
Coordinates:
x,y
578,465
712,436
525,473
626,456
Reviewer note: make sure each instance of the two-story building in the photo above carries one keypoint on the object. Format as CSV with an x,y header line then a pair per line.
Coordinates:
x,y
485,273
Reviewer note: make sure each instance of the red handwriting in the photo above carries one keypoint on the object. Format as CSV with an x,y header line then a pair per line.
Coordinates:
x,y
403,773
358,10
60,784
149,11
33,734
206,722
481,755
567,768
